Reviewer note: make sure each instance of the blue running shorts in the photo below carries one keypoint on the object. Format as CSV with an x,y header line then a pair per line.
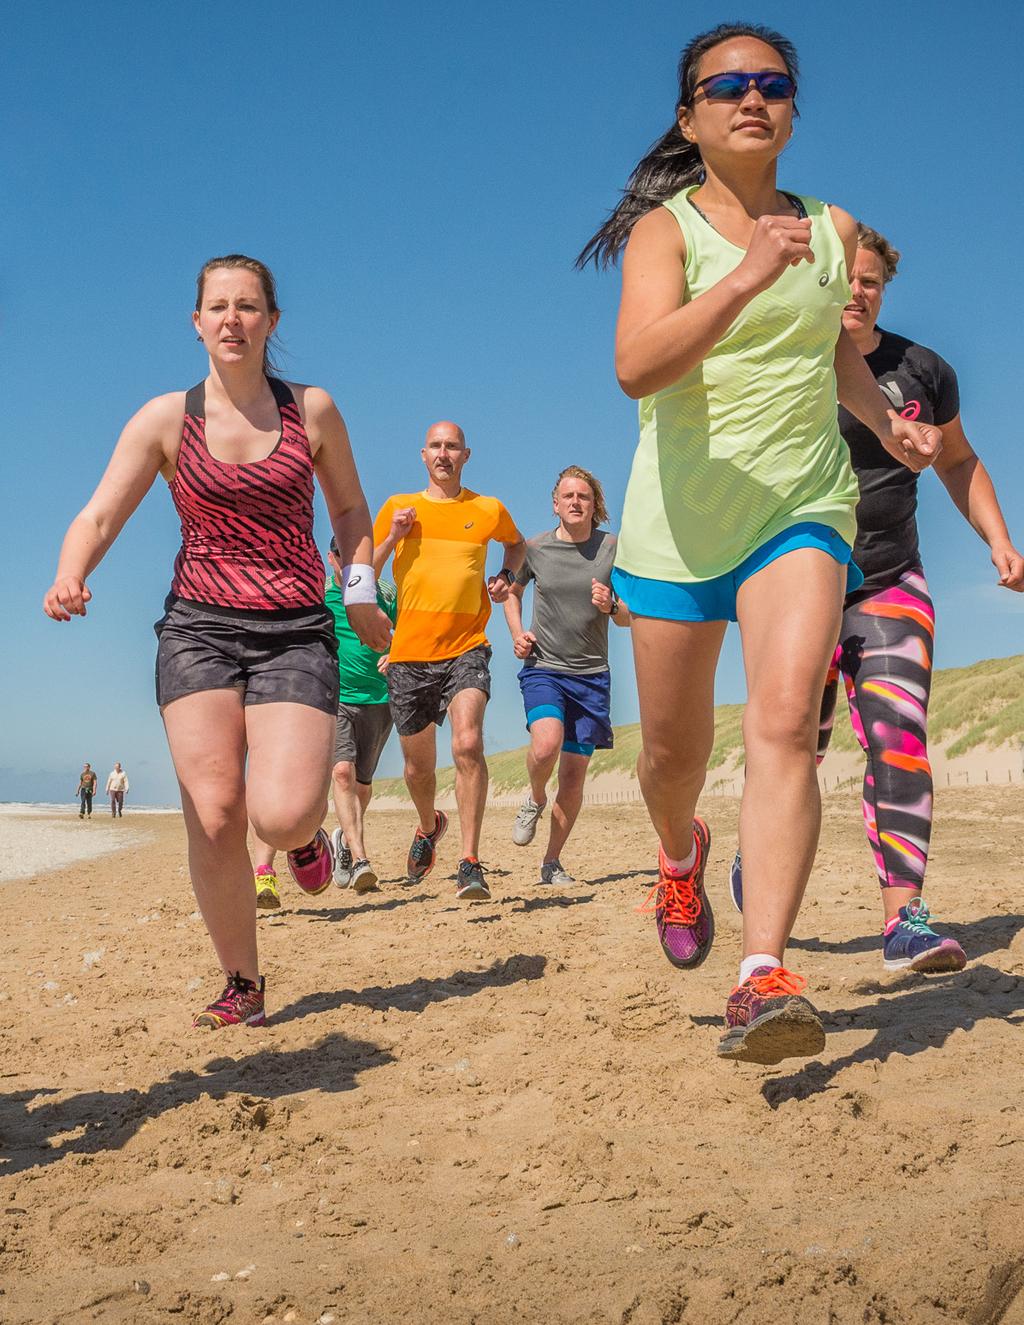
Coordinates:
x,y
715,599
581,703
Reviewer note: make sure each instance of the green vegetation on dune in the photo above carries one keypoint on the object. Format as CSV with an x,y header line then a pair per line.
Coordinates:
x,y
978,705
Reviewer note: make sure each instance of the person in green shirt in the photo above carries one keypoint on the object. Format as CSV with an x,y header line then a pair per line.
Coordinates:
x,y
361,732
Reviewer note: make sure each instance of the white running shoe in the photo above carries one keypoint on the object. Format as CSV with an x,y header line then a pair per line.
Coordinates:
x,y
364,877
342,859
527,818
551,872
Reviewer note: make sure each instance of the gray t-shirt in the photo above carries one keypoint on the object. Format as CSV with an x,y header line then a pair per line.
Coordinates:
x,y
572,635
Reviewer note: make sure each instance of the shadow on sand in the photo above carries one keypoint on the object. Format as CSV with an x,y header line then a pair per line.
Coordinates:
x,y
106,1120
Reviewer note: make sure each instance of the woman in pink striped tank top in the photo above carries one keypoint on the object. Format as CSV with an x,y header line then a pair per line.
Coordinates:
x,y
247,676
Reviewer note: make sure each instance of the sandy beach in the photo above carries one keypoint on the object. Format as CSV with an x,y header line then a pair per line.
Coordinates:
x,y
509,1111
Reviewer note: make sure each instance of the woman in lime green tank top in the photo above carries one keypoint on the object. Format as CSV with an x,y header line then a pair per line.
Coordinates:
x,y
741,499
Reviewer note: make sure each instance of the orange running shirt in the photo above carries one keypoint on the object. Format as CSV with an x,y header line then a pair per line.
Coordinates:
x,y
439,568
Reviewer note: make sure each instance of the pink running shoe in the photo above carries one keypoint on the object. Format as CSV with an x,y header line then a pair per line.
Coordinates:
x,y
768,1019
685,921
241,1004
312,866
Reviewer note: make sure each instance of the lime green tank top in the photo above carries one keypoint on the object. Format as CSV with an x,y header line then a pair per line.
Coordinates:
x,y
747,444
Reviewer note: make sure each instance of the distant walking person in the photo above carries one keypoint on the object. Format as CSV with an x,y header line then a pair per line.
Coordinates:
x,y
117,785
85,791
439,657
565,680
247,672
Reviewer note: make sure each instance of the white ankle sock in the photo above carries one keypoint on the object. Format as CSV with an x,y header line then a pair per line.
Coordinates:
x,y
756,959
682,866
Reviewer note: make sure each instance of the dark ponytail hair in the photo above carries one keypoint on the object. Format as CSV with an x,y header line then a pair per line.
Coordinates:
x,y
673,162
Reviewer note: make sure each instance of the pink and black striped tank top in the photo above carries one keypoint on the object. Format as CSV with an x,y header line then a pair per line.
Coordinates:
x,y
246,529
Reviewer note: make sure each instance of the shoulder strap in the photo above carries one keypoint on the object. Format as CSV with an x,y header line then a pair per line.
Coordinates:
x,y
195,401
282,394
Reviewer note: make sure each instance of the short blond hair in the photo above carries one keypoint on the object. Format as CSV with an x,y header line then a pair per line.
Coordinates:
x,y
875,243
577,471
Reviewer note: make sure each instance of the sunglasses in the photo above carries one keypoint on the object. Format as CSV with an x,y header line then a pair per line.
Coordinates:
x,y
733,85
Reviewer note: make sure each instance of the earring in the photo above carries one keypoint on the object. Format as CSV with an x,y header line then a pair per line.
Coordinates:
x,y
199,338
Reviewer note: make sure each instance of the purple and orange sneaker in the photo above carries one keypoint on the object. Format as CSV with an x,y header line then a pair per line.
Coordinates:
x,y
312,866
423,851
686,924
241,1004
766,1019
909,941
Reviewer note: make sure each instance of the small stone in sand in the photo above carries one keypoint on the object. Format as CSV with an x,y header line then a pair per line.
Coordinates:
x,y
219,1278
224,1192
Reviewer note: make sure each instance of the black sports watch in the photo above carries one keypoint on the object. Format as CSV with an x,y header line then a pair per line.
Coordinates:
x,y
509,576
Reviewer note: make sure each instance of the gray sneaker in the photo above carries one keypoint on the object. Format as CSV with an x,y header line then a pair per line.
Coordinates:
x,y
551,872
342,859
364,877
526,822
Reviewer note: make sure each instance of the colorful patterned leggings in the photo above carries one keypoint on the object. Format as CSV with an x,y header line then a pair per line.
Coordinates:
x,y
885,656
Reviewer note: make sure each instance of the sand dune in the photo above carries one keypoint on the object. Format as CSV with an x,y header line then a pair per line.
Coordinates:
x,y
511,1111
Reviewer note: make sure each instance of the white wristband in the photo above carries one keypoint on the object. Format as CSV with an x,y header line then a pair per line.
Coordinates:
x,y
359,584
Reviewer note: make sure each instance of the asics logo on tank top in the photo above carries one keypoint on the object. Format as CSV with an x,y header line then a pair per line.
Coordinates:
x,y
908,409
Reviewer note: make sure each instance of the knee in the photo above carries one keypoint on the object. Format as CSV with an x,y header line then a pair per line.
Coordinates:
x,y
343,775
545,748
220,818
285,831
669,762
788,723
468,748
418,769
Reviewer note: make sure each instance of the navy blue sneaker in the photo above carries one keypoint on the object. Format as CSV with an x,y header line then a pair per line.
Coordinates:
x,y
736,883
908,942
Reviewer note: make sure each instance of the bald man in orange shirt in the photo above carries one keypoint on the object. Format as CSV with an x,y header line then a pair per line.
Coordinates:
x,y
439,659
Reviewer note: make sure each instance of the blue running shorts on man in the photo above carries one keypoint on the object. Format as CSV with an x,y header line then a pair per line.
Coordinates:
x,y
581,703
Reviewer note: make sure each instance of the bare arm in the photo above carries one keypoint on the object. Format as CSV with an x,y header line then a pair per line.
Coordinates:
x,y
604,600
970,486
346,505
147,445
915,445
522,640
402,521
659,338
515,554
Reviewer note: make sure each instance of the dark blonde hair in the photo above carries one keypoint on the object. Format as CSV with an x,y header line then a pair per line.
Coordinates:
x,y
577,471
875,243
239,262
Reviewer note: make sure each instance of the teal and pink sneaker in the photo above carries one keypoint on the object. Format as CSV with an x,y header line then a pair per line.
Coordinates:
x,y
241,1004
312,866
908,941
683,915
766,1019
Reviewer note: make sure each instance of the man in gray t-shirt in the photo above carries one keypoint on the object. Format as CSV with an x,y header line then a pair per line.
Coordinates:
x,y
565,680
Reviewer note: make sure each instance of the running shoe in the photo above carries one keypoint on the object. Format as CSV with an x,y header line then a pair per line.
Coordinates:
x,y
241,1004
767,1020
736,882
268,898
551,872
471,885
909,941
424,848
342,859
364,877
312,865
527,818
685,922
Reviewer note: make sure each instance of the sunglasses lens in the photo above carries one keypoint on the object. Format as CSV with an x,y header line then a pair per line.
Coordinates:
x,y
726,87
776,87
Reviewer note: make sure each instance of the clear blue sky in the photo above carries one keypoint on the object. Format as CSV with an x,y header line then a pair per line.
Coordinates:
x,y
420,179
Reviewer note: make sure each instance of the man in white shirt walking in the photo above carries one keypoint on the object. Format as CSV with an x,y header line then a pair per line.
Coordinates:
x,y
117,785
